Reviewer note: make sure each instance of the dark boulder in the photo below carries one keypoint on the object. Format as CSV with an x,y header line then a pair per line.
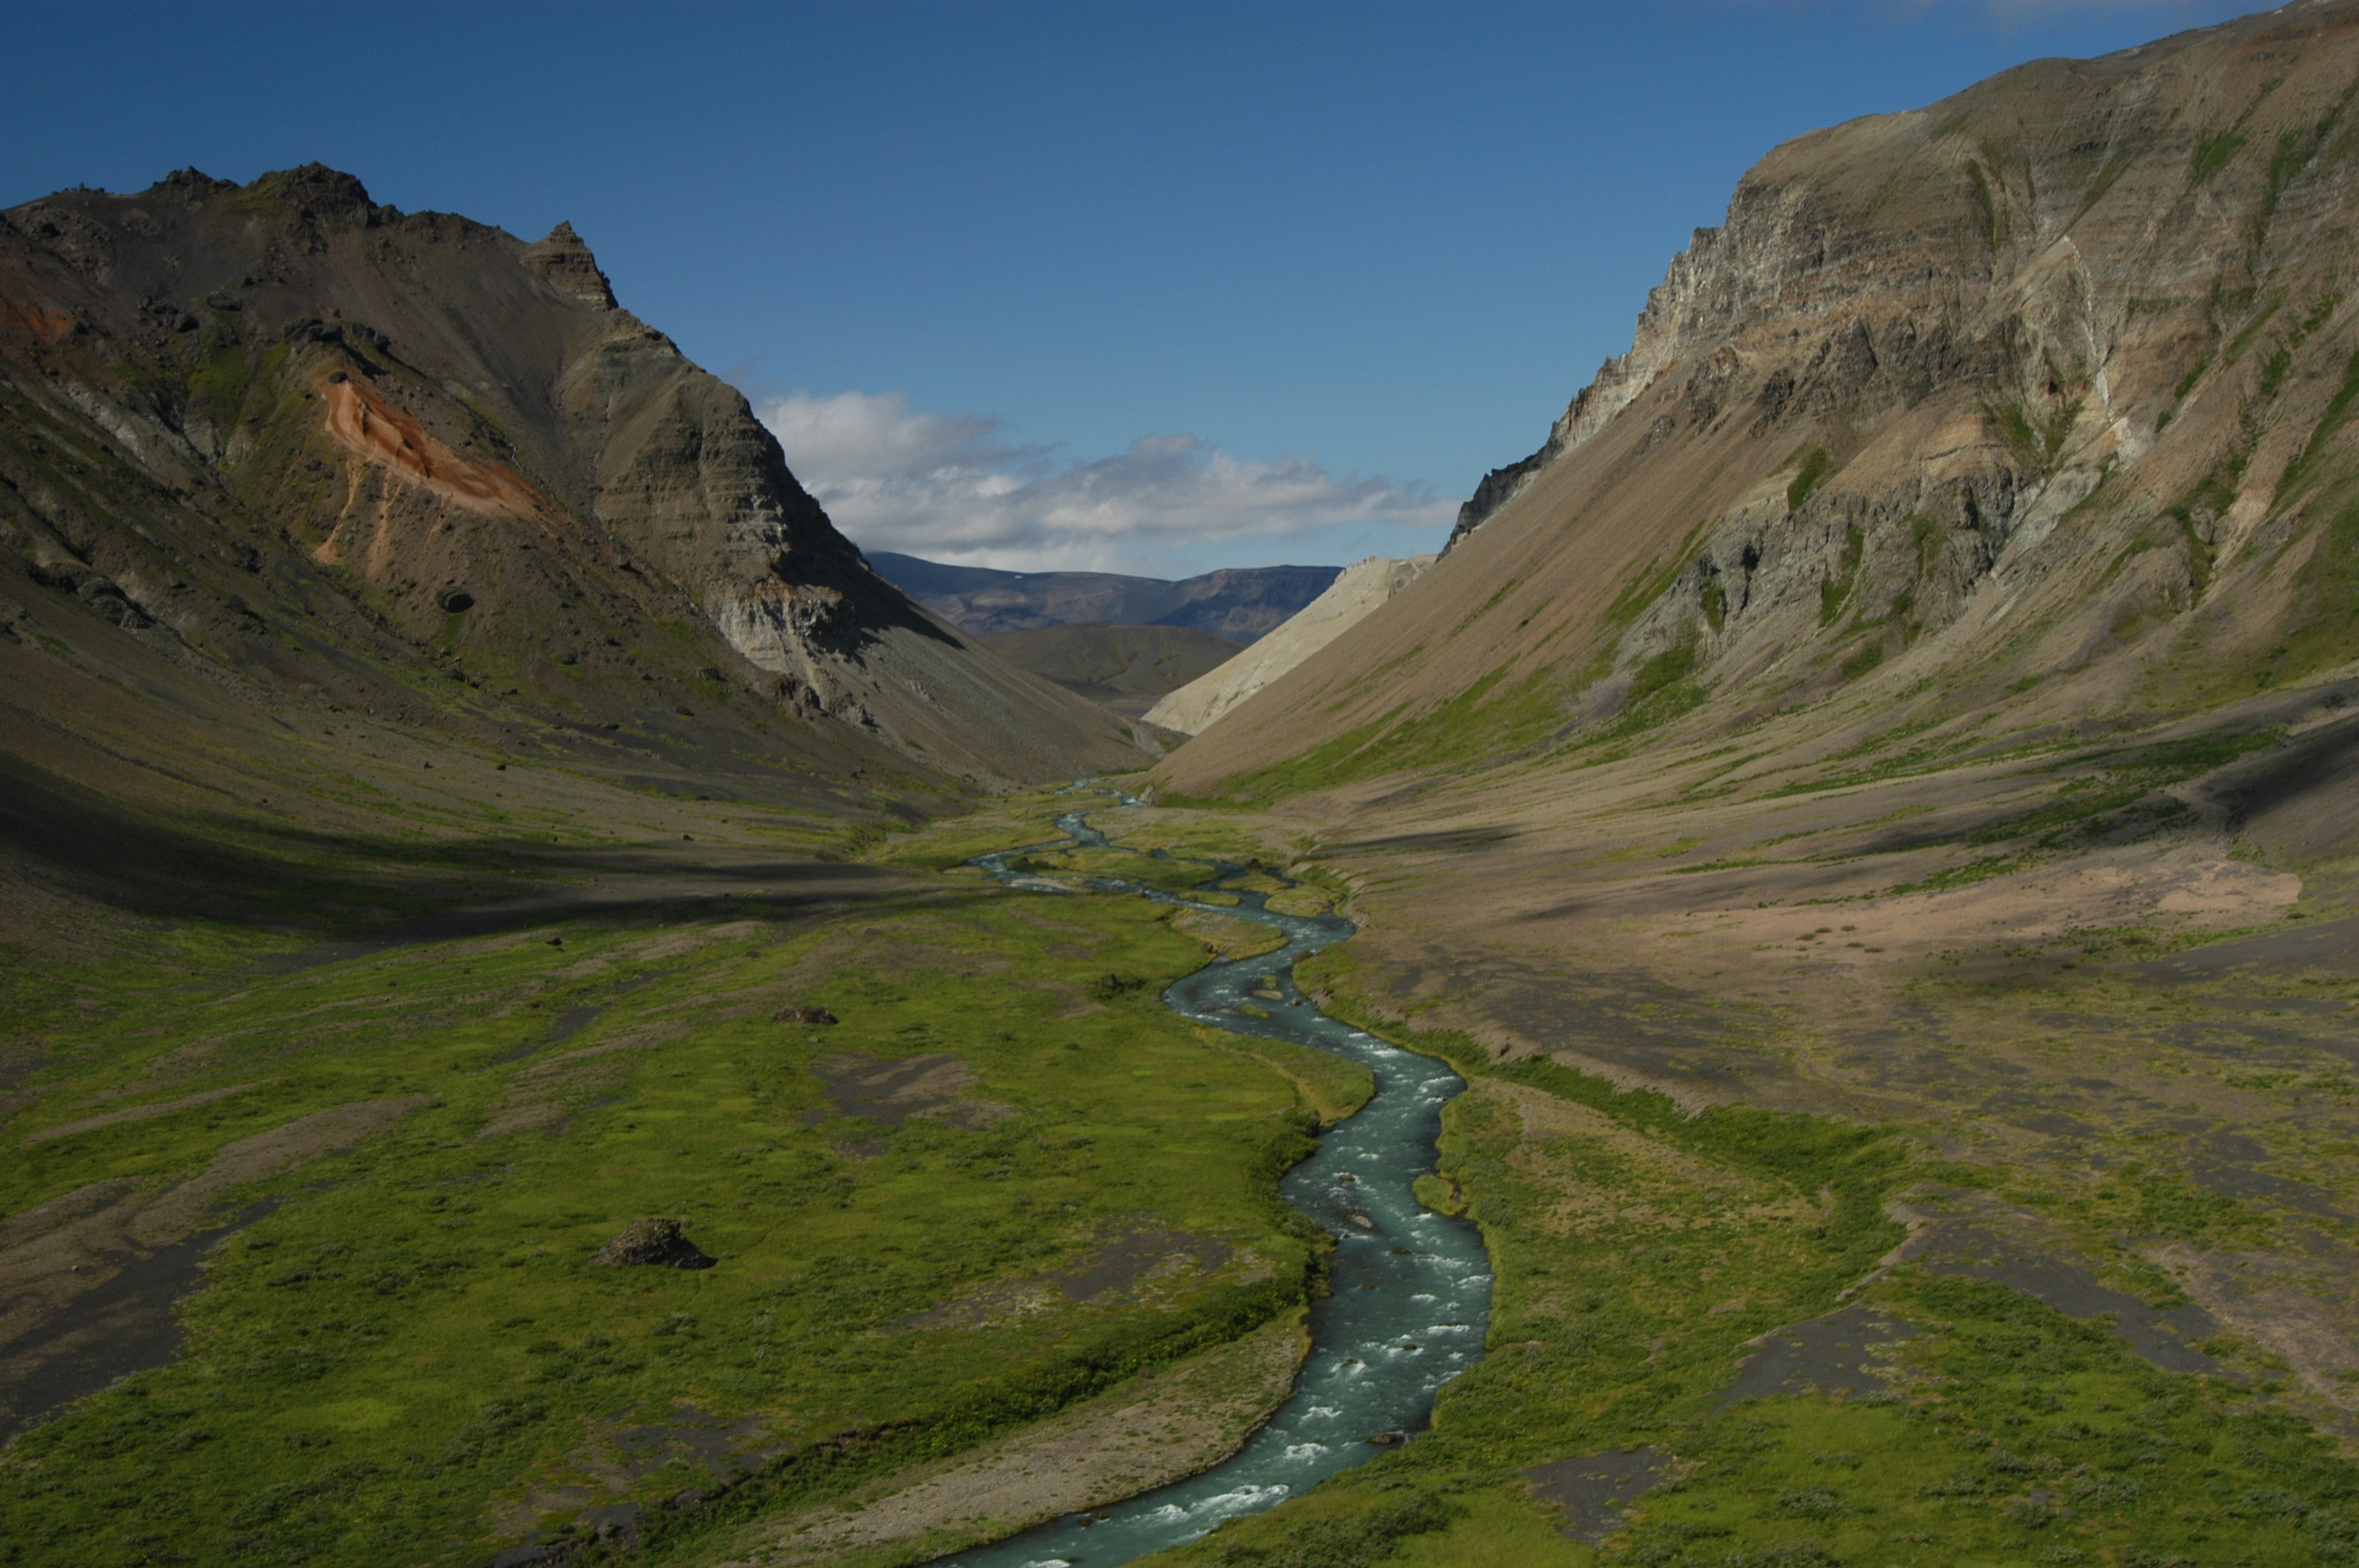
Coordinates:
x,y
654,1241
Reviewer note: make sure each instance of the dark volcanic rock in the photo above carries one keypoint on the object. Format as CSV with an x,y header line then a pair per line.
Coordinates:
x,y
655,1241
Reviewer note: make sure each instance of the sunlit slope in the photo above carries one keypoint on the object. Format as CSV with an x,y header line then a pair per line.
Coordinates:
x,y
2048,382
1197,705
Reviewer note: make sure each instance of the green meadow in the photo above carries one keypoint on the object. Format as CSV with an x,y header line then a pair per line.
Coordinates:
x,y
925,1221
410,1353
1641,1253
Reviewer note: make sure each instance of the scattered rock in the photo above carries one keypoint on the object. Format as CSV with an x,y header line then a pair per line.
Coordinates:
x,y
655,1241
802,1014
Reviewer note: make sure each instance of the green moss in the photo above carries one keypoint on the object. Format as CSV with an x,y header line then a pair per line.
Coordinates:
x,y
1813,467
1834,592
1664,670
1488,717
2212,153
2304,464
267,196
2096,193
2252,329
1994,217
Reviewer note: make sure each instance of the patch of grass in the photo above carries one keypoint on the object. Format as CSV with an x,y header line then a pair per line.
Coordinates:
x,y
2213,151
1637,1250
1834,592
2304,464
1813,467
1488,717
1994,216
2252,329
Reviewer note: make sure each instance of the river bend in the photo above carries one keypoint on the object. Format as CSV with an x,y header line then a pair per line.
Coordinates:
x,y
1411,1289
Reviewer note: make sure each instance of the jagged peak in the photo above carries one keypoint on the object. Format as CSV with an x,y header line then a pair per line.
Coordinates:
x,y
316,189
563,259
194,181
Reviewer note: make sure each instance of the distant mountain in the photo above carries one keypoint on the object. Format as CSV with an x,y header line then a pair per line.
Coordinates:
x,y
1126,668
1239,604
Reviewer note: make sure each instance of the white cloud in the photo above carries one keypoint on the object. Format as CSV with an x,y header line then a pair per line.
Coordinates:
x,y
955,489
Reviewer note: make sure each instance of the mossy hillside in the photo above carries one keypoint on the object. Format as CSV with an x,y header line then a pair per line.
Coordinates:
x,y
416,1335
1636,1253
1493,717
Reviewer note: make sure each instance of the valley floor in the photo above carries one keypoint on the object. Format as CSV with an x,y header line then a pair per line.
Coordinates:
x,y
1003,1241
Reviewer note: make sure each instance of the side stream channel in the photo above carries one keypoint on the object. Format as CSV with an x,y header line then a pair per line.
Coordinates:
x,y
1411,1289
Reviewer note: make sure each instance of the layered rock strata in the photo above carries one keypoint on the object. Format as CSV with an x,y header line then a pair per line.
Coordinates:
x,y
374,415
2050,378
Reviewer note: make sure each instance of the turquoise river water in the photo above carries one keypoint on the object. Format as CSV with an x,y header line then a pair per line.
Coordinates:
x,y
1411,1289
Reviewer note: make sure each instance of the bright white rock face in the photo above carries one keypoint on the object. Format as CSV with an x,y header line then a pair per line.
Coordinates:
x,y
1196,707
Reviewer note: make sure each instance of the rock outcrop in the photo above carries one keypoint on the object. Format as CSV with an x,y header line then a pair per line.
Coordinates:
x,y
375,416
2050,379
654,1243
1199,704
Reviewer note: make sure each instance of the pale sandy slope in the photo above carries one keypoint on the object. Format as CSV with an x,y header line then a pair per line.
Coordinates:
x,y
1193,708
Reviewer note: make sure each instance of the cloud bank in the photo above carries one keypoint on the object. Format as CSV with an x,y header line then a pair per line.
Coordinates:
x,y
956,489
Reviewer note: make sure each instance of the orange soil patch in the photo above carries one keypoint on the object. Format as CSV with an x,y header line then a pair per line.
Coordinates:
x,y
372,429
24,319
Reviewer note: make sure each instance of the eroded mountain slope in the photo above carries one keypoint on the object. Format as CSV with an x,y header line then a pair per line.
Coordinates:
x,y
2047,382
283,431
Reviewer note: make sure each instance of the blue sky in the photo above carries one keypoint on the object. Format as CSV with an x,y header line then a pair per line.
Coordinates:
x,y
1141,287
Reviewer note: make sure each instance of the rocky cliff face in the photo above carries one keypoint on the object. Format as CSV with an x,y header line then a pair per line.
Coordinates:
x,y
414,440
2050,379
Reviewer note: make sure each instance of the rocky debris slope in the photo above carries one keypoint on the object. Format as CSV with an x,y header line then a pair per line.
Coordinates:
x,y
1199,704
2048,384
340,448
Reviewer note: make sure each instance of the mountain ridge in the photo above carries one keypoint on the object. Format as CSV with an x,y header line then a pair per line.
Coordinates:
x,y
425,426
1853,417
1239,604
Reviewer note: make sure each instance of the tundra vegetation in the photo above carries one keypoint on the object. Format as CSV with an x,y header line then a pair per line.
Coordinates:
x,y
406,1348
